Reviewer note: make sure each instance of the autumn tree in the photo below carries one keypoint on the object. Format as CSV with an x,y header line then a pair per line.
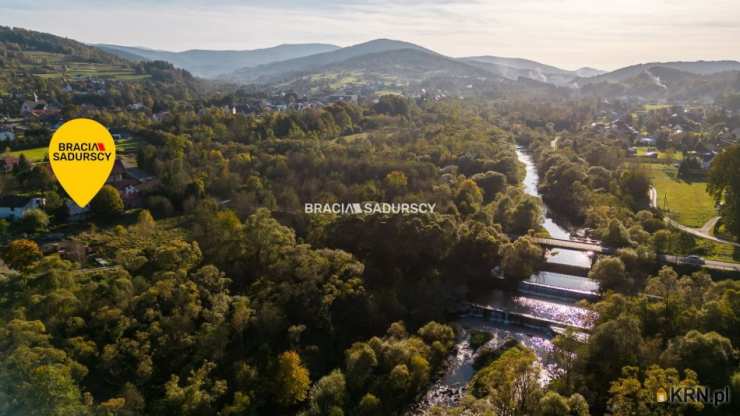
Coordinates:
x,y
291,380
21,253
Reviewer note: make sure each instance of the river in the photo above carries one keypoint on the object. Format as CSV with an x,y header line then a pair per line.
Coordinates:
x,y
450,387
531,180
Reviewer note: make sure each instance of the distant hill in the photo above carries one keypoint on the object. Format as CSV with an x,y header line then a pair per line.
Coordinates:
x,y
278,70
27,57
30,41
588,72
515,68
695,67
212,63
663,82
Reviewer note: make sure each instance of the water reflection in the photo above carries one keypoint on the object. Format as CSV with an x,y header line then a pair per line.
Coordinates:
x,y
563,312
451,387
577,258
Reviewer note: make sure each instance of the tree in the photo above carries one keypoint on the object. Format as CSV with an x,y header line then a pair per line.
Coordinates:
x,y
291,380
34,221
328,394
616,234
395,182
662,241
360,361
526,216
520,259
22,253
511,383
553,404
491,183
611,274
369,406
107,204
468,198
631,396
198,394
709,354
635,184
723,183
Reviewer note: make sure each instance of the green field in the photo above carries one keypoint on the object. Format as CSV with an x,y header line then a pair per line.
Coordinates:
x,y
127,145
662,155
36,154
55,66
687,203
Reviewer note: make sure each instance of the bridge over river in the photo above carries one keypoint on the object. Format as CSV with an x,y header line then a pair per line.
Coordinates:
x,y
598,248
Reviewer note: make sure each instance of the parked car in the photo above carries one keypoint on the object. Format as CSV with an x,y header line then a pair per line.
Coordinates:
x,y
693,259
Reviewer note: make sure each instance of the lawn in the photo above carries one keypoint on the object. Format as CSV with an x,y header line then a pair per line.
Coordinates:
x,y
687,203
36,154
663,155
127,145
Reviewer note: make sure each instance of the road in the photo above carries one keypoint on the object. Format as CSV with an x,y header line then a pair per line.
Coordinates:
x,y
703,232
663,258
708,264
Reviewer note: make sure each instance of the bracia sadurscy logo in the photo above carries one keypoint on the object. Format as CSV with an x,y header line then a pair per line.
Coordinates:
x,y
81,152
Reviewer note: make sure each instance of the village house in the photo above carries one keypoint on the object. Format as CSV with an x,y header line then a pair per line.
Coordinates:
x,y
7,163
117,174
647,141
14,206
33,108
6,134
76,212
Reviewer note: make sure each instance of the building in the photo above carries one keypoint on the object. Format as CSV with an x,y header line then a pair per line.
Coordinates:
x,y
7,163
14,206
647,141
7,134
35,107
75,212
118,173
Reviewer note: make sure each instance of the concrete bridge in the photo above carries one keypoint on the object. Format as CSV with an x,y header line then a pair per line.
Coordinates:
x,y
598,248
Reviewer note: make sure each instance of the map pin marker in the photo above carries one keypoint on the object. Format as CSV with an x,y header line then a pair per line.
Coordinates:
x,y
82,154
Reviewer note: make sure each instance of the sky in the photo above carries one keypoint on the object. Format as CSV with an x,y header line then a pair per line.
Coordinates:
x,y
606,34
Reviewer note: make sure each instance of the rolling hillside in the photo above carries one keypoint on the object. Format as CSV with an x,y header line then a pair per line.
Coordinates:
x,y
212,63
279,70
663,82
695,67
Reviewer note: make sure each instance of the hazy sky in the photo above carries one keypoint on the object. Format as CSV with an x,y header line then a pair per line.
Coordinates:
x,y
569,33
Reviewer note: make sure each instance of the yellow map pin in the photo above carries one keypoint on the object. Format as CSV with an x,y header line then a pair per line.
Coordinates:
x,y
82,154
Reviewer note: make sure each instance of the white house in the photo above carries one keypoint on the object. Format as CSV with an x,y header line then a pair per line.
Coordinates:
x,y
647,141
14,207
6,135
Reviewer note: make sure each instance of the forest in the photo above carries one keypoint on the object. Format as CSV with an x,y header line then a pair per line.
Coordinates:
x,y
220,295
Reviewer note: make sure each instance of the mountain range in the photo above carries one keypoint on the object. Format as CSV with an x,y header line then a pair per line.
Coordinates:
x,y
386,60
385,65
212,63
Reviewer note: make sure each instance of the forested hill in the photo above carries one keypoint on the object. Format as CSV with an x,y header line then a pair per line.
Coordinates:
x,y
19,40
211,63
66,72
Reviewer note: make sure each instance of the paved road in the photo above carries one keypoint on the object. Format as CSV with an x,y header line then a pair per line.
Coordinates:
x,y
708,264
708,227
703,232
